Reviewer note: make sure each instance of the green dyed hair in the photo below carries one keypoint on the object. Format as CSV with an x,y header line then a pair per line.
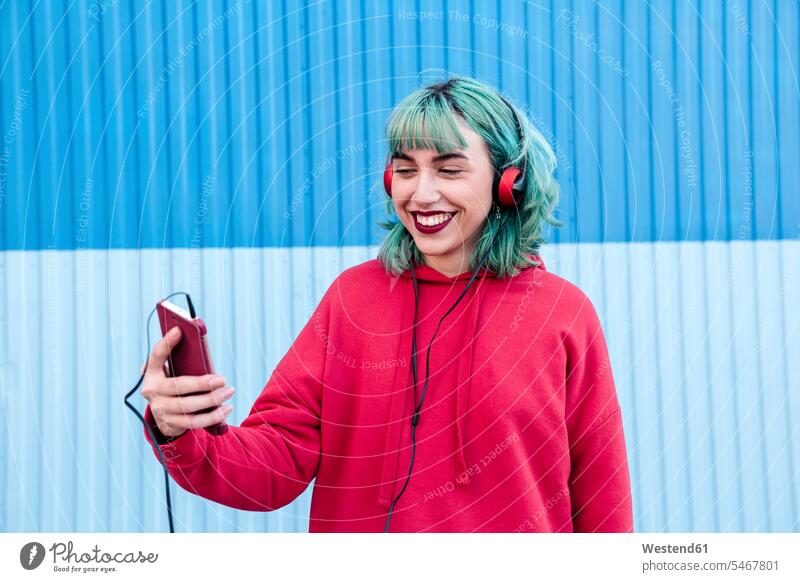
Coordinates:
x,y
426,119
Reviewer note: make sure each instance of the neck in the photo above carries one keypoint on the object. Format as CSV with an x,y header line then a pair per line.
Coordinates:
x,y
452,264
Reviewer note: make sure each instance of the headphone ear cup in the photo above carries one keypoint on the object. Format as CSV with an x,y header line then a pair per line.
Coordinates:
x,y
387,179
509,187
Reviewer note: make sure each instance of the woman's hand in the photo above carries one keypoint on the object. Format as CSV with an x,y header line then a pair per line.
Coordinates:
x,y
175,402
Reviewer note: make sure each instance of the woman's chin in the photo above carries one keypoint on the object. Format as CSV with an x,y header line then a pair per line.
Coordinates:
x,y
432,249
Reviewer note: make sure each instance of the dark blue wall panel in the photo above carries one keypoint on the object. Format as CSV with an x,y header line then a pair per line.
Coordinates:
x,y
241,124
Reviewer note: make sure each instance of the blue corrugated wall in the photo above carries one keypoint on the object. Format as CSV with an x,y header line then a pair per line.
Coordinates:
x,y
234,150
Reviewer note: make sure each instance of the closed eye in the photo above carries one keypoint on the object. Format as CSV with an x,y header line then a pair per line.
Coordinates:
x,y
449,172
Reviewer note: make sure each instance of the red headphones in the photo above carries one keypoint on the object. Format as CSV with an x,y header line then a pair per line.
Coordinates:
x,y
508,188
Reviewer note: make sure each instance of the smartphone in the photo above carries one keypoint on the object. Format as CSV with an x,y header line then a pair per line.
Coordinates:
x,y
191,356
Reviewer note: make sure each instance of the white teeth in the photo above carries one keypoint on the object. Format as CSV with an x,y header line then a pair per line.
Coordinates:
x,y
432,220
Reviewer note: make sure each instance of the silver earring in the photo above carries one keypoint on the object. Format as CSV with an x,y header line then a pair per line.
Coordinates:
x,y
497,212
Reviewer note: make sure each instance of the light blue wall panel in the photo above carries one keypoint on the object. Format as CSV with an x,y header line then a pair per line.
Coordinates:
x,y
700,337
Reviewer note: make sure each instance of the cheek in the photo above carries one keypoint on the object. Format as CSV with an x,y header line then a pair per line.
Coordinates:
x,y
404,217
398,204
473,222
479,189
478,201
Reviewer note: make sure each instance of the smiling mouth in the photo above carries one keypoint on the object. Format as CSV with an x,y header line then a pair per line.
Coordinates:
x,y
432,222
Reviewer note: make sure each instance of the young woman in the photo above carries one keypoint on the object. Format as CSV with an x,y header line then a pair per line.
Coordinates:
x,y
450,384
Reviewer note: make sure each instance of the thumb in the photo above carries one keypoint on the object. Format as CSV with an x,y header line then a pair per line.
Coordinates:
x,y
162,349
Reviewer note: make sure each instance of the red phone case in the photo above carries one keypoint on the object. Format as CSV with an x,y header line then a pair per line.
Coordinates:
x,y
191,356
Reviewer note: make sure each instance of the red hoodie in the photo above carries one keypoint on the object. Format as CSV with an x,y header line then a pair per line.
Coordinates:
x,y
520,429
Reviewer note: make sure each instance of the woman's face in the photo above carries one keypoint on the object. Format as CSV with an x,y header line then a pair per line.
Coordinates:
x,y
444,199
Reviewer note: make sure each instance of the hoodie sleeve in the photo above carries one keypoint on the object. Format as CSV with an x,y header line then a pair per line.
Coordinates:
x,y
599,482
270,459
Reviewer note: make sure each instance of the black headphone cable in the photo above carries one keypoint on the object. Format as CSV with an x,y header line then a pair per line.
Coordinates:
x,y
139,415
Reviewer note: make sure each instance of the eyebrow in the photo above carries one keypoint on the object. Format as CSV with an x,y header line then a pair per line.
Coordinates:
x,y
440,158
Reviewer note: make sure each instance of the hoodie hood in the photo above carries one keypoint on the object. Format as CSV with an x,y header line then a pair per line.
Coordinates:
x,y
431,275
394,471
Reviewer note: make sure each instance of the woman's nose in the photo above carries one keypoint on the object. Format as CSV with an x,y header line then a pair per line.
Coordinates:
x,y
425,190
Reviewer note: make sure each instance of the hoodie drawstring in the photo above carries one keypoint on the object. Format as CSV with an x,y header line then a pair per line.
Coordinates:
x,y
465,363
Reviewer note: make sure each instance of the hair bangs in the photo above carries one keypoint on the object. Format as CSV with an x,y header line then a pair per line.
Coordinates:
x,y
424,121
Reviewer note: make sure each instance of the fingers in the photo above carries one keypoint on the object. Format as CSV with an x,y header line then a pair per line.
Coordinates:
x,y
166,387
178,404
177,423
161,351
189,384
193,404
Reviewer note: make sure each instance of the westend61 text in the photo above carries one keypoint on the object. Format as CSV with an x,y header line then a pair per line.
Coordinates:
x,y
671,549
